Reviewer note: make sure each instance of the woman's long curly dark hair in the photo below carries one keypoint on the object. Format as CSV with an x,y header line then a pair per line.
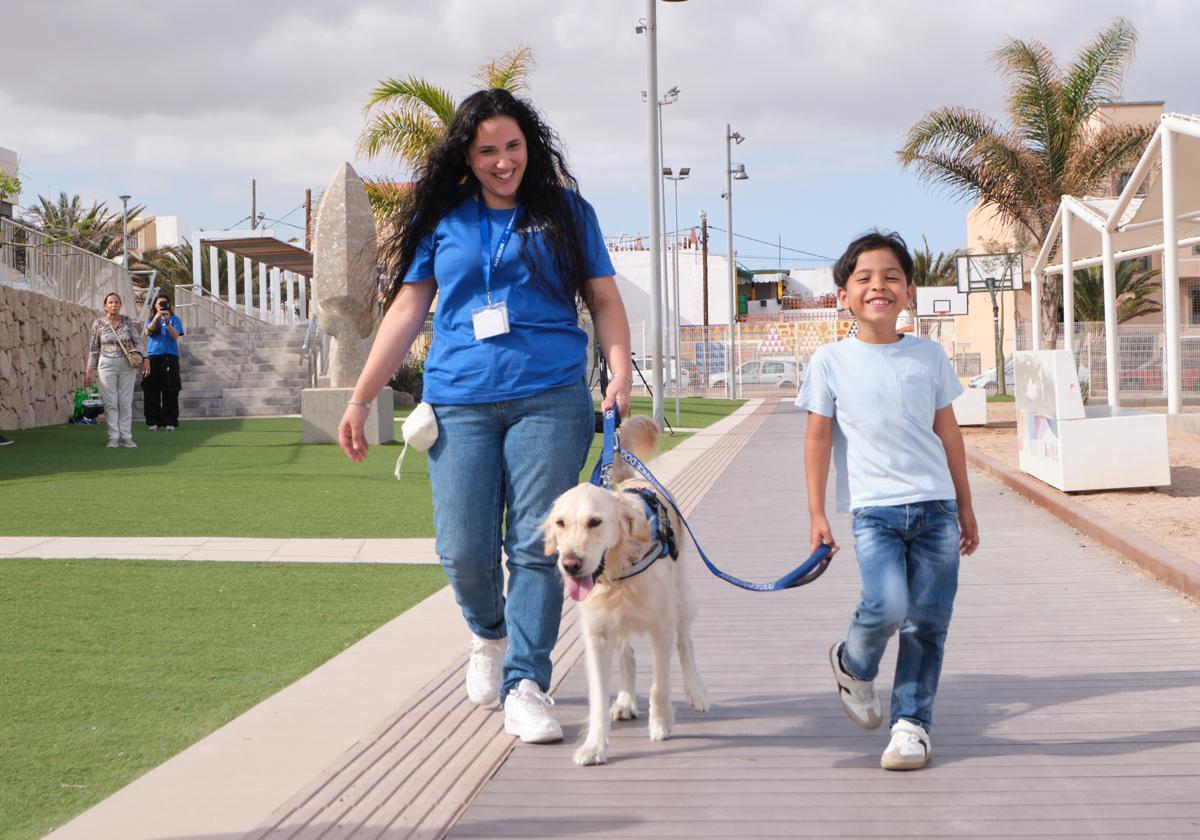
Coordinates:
x,y
548,196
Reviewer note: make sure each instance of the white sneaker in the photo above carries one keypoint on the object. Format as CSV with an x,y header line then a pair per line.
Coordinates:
x,y
858,697
527,714
909,748
152,428
170,428
113,443
129,444
483,670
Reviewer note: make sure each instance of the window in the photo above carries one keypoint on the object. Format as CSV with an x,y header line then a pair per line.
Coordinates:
x,y
1195,301
772,367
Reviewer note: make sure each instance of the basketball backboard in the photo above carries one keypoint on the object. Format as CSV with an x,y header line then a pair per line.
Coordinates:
x,y
1006,271
940,302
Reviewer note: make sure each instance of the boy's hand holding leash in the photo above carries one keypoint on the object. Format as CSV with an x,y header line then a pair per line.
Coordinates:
x,y
822,534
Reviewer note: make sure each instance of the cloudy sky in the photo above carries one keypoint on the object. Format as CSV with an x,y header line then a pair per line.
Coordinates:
x,y
181,104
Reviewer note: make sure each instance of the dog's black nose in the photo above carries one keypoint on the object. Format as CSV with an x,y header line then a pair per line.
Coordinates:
x,y
571,565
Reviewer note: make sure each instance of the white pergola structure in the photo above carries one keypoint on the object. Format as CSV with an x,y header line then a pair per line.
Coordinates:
x,y
1104,231
288,265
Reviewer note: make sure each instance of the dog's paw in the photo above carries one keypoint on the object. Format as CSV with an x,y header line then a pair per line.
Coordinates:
x,y
625,707
591,754
697,699
660,726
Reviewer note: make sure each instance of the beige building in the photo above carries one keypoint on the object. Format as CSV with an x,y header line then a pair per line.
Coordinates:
x,y
8,166
986,234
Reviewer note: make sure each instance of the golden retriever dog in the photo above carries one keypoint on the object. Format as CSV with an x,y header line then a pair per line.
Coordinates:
x,y
599,536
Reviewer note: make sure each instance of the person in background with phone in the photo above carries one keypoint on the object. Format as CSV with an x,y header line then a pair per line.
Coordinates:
x,y
161,382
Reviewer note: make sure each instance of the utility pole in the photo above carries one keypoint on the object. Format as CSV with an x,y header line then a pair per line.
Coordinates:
x,y
308,220
253,204
704,262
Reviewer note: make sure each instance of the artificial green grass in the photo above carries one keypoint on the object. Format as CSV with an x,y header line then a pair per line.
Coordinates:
x,y
108,668
232,478
998,398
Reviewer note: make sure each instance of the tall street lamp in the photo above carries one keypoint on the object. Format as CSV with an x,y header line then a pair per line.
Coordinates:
x,y
677,371
649,26
125,230
732,174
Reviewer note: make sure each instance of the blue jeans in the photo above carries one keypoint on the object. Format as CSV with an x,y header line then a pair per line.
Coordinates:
x,y
908,560
496,469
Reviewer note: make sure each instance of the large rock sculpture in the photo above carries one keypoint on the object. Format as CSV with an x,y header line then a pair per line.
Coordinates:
x,y
345,273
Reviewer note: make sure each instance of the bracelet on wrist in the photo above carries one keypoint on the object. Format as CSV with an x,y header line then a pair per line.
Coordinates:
x,y
624,376
361,403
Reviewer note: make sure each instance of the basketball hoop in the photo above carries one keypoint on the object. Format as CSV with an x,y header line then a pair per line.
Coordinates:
x,y
940,311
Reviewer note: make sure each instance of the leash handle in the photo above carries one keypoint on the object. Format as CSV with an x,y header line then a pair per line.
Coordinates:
x,y
601,473
806,572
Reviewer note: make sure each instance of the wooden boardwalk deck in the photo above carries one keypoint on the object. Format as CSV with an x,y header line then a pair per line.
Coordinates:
x,y
1069,706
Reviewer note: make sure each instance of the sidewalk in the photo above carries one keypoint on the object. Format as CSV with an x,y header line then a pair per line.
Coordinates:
x,y
1059,713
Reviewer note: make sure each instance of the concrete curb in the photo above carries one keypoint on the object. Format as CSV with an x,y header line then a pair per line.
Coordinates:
x,y
1160,563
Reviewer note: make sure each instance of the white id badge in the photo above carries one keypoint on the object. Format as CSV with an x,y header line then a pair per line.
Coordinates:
x,y
490,320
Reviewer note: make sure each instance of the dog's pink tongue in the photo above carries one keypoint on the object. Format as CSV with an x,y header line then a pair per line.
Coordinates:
x,y
577,588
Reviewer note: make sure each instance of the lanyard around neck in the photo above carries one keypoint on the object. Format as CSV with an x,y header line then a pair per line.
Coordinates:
x,y
490,260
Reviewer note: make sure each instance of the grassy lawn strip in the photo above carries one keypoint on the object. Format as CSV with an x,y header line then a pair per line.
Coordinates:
x,y
110,667
231,478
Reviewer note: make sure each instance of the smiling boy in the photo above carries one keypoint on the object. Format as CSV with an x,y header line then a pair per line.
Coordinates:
x,y
879,403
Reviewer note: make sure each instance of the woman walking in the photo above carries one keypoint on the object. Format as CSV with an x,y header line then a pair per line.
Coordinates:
x,y
114,339
495,226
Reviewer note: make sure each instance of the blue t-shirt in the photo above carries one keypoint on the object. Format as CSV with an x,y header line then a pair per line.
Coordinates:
x,y
160,342
882,398
544,347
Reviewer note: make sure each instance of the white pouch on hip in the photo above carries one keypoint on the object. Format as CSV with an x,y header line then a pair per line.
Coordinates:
x,y
419,431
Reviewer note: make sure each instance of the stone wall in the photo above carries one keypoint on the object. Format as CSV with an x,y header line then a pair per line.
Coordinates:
x,y
43,352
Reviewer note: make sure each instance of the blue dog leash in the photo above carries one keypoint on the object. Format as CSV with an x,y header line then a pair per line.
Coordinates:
x,y
807,572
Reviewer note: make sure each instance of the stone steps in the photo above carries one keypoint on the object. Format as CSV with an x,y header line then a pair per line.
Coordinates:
x,y
240,372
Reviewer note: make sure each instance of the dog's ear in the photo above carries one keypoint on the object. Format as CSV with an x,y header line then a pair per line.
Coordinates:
x,y
550,533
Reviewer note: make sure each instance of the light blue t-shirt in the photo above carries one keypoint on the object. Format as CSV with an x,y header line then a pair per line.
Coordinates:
x,y
882,398
160,342
544,347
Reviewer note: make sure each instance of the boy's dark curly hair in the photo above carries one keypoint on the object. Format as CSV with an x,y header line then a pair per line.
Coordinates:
x,y
548,196
874,240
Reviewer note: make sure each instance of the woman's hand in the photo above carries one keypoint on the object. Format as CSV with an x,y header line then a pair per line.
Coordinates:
x,y
350,432
145,367
89,376
619,388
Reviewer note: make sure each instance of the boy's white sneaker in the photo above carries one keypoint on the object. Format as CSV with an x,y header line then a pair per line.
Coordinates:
x,y
484,668
858,697
152,428
527,714
909,749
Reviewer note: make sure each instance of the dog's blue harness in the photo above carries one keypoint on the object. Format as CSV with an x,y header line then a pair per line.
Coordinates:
x,y
807,572
661,533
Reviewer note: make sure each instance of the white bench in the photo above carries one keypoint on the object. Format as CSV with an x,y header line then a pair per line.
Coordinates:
x,y
1075,447
970,407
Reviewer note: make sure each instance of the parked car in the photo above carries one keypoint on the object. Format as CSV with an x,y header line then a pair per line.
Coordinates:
x,y
987,379
1148,376
646,365
784,374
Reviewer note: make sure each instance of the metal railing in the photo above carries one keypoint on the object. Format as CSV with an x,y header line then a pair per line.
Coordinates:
x,y
314,353
198,307
30,259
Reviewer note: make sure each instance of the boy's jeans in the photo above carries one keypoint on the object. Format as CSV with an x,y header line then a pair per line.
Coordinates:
x,y
908,559
518,455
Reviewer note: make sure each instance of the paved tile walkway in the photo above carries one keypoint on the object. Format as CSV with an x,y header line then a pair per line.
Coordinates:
x,y
1068,701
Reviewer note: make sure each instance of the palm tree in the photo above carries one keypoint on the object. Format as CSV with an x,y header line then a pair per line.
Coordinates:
x,y
94,229
931,270
173,265
1051,147
1134,288
411,115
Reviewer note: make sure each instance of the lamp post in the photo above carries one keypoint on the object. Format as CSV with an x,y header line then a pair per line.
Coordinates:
x,y
732,173
124,230
677,371
649,26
